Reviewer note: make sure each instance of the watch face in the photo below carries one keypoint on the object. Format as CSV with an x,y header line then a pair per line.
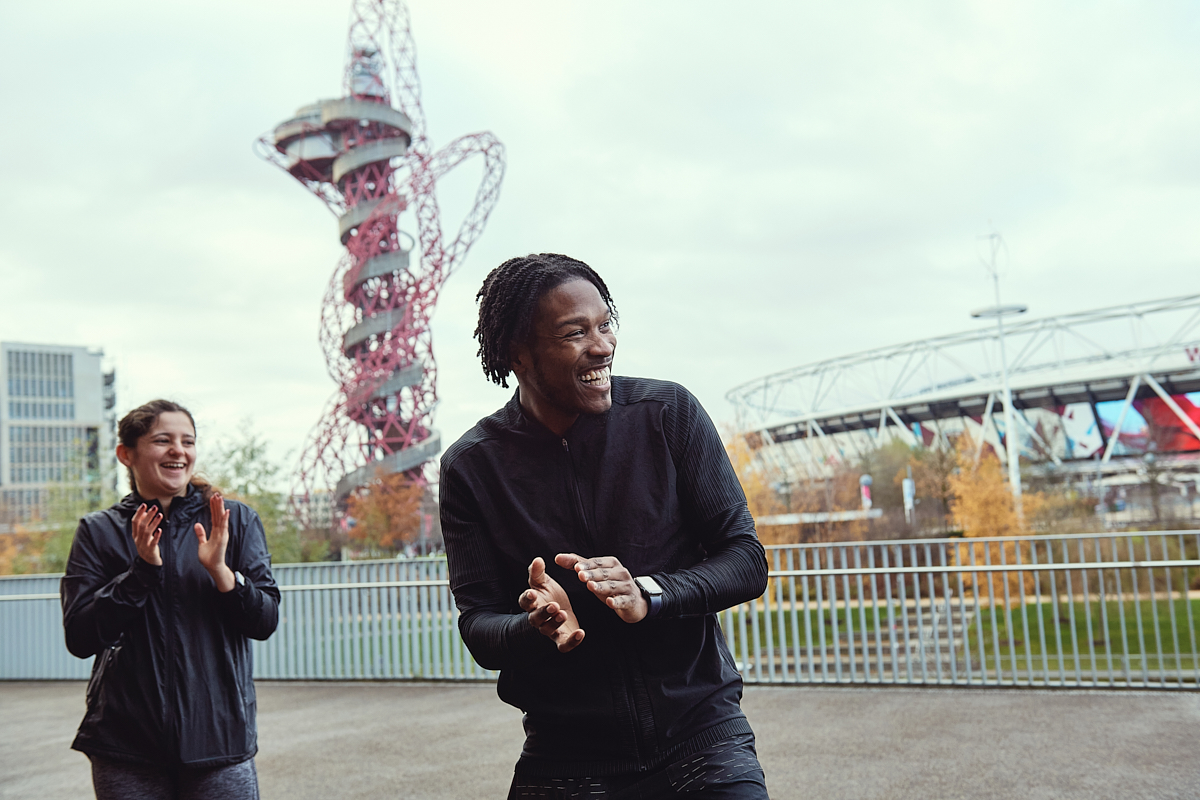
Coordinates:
x,y
649,585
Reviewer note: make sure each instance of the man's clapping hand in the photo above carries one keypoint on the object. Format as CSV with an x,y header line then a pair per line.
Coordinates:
x,y
610,581
549,609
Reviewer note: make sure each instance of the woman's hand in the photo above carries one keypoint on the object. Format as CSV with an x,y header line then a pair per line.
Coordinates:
x,y
146,534
212,548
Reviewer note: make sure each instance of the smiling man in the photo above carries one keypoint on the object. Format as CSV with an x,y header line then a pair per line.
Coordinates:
x,y
594,527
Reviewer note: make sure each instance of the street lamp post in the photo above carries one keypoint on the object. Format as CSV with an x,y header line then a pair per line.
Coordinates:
x,y
1012,448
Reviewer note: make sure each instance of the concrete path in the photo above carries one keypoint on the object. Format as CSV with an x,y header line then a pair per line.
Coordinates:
x,y
387,740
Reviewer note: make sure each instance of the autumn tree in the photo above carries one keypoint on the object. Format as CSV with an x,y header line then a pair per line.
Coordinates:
x,y
11,546
982,505
932,468
887,466
1058,509
839,490
386,512
769,492
23,551
43,543
760,480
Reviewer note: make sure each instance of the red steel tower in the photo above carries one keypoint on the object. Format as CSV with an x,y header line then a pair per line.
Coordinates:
x,y
366,156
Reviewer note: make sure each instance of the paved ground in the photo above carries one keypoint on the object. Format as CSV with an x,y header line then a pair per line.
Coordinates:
x,y
376,740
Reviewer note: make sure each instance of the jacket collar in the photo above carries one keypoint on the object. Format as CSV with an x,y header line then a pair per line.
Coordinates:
x,y
513,419
180,505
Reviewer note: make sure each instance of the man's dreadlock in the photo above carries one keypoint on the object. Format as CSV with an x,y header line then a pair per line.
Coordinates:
x,y
509,298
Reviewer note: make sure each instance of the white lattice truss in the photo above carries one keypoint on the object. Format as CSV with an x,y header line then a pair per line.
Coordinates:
x,y
835,409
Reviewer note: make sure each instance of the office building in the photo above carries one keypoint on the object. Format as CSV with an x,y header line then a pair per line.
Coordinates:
x,y
57,430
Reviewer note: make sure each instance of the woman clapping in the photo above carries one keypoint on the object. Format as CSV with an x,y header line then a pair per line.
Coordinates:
x,y
166,588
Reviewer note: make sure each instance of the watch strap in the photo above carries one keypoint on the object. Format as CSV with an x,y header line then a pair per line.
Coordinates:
x,y
653,598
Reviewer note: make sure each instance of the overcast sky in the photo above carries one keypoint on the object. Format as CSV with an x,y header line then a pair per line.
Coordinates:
x,y
762,185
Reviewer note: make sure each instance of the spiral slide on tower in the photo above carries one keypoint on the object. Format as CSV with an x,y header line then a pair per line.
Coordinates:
x,y
378,267
350,142
404,460
368,158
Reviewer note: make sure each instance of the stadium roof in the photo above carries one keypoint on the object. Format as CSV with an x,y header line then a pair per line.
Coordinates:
x,y
1094,356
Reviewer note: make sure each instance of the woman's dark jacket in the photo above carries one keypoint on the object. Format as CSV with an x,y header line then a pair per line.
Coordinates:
x,y
171,684
648,482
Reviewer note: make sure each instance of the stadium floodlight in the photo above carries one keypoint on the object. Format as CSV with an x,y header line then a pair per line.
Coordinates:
x,y
999,312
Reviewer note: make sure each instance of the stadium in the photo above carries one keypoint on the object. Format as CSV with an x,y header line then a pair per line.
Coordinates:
x,y
1107,401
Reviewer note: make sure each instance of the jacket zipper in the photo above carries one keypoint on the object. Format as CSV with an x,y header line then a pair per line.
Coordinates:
x,y
579,510
169,684
626,679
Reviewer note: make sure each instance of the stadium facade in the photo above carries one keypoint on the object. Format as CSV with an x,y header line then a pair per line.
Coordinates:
x,y
1099,398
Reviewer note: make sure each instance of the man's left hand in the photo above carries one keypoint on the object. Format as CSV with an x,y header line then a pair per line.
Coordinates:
x,y
608,579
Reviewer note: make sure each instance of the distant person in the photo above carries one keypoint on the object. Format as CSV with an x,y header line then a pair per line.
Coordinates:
x,y
594,527
166,589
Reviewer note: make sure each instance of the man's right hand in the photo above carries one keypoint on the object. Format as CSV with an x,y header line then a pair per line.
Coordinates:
x,y
549,609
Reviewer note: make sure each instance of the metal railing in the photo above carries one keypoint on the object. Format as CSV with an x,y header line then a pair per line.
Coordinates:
x,y
1088,610
31,631
1085,610
371,620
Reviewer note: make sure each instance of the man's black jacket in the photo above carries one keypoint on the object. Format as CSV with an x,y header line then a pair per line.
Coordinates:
x,y
648,482
171,684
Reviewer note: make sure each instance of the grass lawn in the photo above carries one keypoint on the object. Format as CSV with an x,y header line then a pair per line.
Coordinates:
x,y
1047,637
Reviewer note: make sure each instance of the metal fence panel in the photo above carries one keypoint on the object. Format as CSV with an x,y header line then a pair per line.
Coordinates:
x,y
1081,610
1086,610
31,632
366,620
369,620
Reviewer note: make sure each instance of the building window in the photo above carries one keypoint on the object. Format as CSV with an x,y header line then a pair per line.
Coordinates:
x,y
60,409
22,505
41,375
43,454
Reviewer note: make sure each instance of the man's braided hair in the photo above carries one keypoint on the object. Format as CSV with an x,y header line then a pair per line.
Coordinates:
x,y
509,299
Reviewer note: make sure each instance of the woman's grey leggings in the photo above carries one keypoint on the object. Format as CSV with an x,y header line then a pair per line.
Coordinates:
x,y
114,780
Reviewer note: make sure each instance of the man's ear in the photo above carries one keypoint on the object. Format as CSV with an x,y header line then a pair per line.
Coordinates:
x,y
518,359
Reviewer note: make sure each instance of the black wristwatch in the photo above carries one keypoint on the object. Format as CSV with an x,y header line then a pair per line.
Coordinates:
x,y
653,594
238,578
